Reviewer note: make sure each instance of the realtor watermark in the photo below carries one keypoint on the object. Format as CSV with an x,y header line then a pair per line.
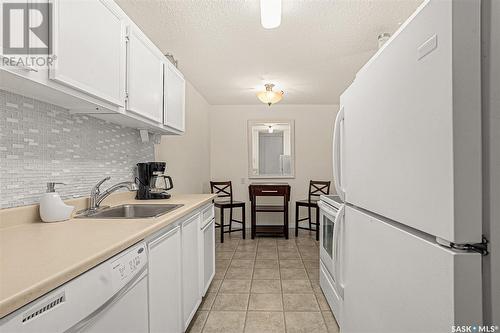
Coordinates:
x,y
26,34
474,329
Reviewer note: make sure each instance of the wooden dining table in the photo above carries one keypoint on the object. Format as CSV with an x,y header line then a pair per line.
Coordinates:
x,y
269,190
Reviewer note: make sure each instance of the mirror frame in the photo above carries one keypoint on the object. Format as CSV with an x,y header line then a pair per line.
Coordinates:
x,y
254,122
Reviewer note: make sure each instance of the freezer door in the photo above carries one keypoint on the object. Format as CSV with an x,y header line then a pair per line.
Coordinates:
x,y
411,142
396,281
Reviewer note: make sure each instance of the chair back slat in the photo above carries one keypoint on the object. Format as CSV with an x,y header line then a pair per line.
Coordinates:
x,y
222,189
317,188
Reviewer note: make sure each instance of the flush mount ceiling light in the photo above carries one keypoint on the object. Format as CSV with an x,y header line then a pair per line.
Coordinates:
x,y
269,96
270,13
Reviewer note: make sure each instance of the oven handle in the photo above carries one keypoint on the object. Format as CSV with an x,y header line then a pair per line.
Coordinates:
x,y
338,227
327,209
335,244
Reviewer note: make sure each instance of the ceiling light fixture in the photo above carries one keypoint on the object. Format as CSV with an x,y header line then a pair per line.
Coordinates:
x,y
270,130
270,13
269,96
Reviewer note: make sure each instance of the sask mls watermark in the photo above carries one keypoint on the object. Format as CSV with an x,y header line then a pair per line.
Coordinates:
x,y
26,34
474,329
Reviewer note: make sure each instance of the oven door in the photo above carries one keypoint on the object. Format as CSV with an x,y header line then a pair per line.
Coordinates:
x,y
330,241
327,217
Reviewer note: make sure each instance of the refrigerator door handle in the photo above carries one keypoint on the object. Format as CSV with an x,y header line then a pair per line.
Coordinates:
x,y
470,247
336,154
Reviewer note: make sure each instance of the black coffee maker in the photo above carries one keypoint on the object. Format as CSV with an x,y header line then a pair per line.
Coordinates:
x,y
152,181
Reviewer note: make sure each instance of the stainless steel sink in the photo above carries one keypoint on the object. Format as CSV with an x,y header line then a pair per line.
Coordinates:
x,y
131,211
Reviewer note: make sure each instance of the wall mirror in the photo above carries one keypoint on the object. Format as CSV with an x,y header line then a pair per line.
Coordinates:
x,y
271,149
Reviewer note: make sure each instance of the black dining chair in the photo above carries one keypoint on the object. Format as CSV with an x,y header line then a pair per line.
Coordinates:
x,y
224,200
316,188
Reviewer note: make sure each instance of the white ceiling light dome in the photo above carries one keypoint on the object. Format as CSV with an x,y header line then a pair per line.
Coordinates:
x,y
270,13
269,96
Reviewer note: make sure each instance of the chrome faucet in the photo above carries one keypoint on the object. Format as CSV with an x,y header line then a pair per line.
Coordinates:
x,y
96,197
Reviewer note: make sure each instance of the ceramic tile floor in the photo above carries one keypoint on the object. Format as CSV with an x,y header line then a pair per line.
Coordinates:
x,y
265,285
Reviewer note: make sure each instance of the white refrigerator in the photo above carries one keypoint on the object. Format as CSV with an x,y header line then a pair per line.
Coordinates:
x,y
407,164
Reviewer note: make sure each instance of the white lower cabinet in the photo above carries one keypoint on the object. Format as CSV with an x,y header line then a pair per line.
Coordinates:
x,y
208,255
207,247
191,294
181,268
165,297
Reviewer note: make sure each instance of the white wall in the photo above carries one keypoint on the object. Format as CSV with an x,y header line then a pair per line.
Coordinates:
x,y
491,157
188,155
313,147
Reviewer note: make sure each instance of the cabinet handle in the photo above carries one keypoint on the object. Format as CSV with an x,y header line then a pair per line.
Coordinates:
x,y
269,191
158,240
206,226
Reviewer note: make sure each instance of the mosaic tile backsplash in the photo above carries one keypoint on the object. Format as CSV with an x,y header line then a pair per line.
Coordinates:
x,y
41,142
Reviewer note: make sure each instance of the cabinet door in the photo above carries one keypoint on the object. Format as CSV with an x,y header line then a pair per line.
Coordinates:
x,y
88,40
144,77
208,255
165,283
175,88
191,295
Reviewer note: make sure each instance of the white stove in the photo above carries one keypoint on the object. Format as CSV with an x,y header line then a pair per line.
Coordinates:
x,y
331,252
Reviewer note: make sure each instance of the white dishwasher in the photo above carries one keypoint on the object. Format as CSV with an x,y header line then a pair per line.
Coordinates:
x,y
110,298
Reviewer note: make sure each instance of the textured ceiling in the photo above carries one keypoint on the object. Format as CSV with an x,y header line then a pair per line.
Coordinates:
x,y
226,54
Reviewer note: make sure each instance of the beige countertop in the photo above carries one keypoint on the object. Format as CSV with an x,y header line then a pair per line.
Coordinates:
x,y
37,257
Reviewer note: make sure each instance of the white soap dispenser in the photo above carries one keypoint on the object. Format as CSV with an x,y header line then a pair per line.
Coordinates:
x,y
52,208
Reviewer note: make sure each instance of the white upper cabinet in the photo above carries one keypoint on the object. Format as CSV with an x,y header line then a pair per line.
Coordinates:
x,y
144,77
88,40
103,65
174,93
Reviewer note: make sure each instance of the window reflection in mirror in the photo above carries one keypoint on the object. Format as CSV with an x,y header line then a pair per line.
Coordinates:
x,y
270,145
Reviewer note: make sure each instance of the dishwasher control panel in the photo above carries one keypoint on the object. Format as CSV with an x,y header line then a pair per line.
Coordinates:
x,y
127,265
